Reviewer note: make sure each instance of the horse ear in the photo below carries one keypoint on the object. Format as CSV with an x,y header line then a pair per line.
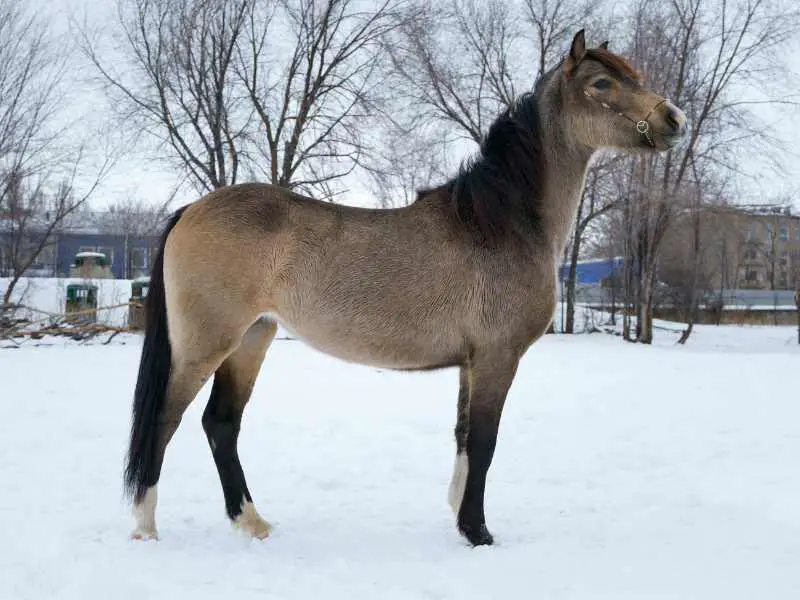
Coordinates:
x,y
576,52
578,45
604,45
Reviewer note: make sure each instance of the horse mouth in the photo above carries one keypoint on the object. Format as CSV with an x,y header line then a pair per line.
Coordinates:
x,y
666,142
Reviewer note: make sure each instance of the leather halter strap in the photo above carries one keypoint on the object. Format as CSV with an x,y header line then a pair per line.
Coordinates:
x,y
642,125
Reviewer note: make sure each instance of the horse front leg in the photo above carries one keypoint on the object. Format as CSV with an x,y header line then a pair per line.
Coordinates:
x,y
484,386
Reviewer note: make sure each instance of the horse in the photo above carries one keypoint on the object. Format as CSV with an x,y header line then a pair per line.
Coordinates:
x,y
462,277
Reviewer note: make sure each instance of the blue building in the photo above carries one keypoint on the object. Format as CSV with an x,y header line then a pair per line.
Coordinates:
x,y
128,256
594,271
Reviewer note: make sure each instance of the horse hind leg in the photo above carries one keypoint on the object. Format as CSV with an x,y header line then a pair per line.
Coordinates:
x,y
186,379
233,384
198,346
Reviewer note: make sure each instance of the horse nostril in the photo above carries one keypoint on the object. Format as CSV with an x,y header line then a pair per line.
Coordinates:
x,y
676,121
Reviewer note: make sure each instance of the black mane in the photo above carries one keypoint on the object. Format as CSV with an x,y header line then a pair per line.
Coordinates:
x,y
500,190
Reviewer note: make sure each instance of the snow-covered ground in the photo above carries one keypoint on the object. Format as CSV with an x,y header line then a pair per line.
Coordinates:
x,y
622,472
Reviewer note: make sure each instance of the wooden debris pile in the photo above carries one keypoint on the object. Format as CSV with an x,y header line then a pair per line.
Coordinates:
x,y
18,325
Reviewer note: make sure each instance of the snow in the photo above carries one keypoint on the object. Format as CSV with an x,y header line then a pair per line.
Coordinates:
x,y
621,472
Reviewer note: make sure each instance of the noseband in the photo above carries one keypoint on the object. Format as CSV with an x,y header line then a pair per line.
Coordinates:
x,y
642,125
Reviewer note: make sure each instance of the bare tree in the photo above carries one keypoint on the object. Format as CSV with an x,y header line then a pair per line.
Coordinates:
x,y
463,61
554,21
689,267
139,224
315,104
699,280
31,73
607,241
33,212
698,52
176,80
797,304
282,88
598,199
406,162
767,250
453,62
729,255
42,156
131,216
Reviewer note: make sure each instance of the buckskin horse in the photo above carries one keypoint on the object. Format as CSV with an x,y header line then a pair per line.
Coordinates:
x,y
464,276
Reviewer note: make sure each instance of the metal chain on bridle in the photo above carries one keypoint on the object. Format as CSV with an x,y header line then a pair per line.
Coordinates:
x,y
642,125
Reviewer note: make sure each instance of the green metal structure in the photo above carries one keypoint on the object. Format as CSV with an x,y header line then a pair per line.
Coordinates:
x,y
139,288
82,298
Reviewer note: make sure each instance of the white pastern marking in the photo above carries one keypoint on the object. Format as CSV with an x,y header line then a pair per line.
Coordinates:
x,y
251,523
145,515
458,483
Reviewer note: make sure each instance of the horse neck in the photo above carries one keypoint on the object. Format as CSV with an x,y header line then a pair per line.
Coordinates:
x,y
565,176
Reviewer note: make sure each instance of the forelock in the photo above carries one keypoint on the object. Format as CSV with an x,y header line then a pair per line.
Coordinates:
x,y
615,63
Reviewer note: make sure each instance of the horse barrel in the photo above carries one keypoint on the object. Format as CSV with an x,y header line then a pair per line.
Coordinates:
x,y
139,289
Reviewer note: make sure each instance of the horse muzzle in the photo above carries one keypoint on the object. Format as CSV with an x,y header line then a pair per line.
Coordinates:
x,y
675,123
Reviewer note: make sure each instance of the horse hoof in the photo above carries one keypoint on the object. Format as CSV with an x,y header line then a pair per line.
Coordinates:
x,y
477,536
250,523
142,535
258,530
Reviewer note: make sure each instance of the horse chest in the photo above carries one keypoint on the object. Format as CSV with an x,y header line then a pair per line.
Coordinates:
x,y
519,304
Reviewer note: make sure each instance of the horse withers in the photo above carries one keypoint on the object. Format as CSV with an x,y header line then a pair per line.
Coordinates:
x,y
463,277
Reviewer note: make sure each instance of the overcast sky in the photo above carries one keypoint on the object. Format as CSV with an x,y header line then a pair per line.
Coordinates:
x,y
153,182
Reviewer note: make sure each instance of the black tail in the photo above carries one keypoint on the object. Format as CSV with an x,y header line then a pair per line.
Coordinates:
x,y
151,385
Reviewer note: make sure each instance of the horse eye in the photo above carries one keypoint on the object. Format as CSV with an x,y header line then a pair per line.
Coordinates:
x,y
603,84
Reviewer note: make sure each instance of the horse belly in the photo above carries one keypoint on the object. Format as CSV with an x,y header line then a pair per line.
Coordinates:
x,y
383,345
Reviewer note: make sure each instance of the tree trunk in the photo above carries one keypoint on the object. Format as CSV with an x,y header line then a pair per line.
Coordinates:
x,y
613,308
569,326
686,333
644,323
628,304
694,308
775,308
571,282
797,302
10,289
798,322
628,277
639,293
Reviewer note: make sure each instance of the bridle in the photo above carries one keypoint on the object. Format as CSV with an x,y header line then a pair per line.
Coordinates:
x,y
642,126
